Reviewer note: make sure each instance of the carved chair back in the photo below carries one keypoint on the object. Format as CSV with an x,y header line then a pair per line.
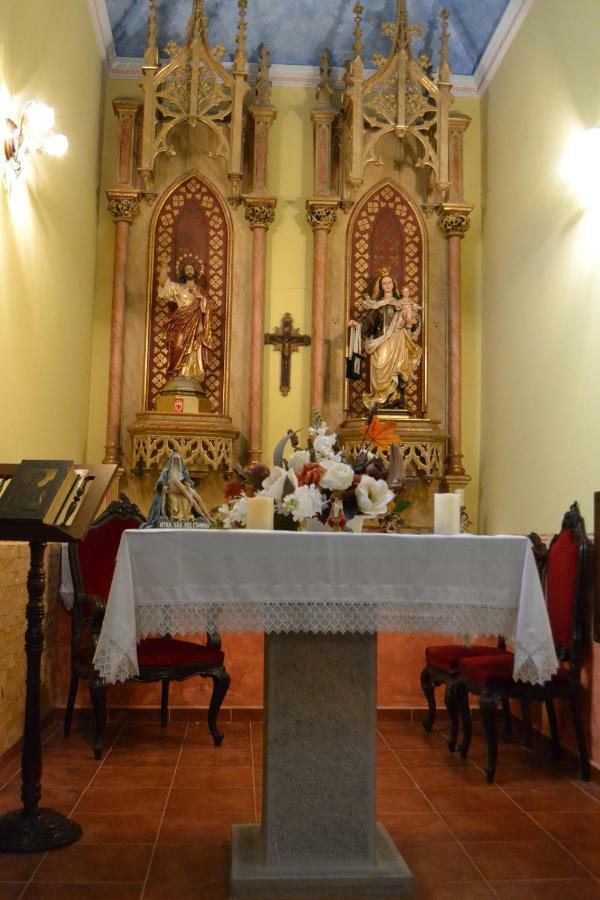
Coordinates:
x,y
565,592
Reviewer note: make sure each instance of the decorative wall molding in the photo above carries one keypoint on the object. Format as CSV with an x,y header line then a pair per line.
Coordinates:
x,y
505,33
104,36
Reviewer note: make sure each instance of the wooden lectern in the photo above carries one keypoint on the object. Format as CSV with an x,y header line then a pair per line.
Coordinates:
x,y
33,829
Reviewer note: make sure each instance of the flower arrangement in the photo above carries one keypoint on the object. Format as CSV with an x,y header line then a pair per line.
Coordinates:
x,y
320,482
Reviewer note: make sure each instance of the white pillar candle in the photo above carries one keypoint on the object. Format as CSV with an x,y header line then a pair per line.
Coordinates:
x,y
461,496
446,514
260,513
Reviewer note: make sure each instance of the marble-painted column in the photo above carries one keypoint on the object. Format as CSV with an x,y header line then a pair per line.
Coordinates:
x,y
260,214
321,216
123,206
454,223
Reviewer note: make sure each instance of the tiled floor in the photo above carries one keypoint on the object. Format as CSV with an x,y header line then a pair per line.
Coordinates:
x,y
156,815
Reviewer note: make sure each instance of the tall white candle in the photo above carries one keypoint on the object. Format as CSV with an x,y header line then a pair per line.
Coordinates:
x,y
446,514
260,513
461,496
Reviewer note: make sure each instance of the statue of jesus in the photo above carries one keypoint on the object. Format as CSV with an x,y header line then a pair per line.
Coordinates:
x,y
188,328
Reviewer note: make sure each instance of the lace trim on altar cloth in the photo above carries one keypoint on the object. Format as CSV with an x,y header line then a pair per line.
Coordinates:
x,y
112,662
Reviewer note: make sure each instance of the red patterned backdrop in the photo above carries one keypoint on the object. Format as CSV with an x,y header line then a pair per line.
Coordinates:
x,y
385,231
191,223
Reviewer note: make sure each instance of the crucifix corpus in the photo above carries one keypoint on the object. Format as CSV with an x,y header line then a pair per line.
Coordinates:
x,y
287,339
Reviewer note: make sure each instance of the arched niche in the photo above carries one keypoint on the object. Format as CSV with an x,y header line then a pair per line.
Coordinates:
x,y
191,223
386,230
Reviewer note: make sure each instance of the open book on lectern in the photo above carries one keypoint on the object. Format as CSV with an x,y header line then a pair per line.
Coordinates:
x,y
50,499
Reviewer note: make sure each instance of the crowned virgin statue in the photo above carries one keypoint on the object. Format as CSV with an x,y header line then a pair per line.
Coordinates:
x,y
386,328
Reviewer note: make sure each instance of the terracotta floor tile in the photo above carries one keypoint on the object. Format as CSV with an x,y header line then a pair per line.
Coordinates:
x,y
101,862
557,889
562,798
571,826
18,866
417,828
499,826
118,828
402,799
123,799
154,757
588,853
526,776
439,862
194,755
215,776
140,776
446,776
523,859
67,777
224,800
181,891
387,758
83,891
237,734
452,890
393,777
435,757
191,863
180,828
11,890
413,740
590,787
470,799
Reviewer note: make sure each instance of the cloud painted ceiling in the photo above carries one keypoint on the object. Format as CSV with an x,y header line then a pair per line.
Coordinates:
x,y
296,31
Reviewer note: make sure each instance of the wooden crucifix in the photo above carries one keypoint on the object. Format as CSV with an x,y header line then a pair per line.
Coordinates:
x,y
287,339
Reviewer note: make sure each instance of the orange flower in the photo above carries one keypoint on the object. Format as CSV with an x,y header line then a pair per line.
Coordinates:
x,y
381,434
311,474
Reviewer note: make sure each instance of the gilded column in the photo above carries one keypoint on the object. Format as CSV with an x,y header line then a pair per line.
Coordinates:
x,y
123,206
454,223
260,214
321,215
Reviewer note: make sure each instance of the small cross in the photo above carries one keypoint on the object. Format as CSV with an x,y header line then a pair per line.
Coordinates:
x,y
287,339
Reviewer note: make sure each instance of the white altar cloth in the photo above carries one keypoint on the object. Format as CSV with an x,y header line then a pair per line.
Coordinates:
x,y
190,581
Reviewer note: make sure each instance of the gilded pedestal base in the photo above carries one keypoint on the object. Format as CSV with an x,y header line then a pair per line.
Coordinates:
x,y
204,440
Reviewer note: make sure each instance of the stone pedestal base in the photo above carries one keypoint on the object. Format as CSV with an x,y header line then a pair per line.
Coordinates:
x,y
318,836
252,879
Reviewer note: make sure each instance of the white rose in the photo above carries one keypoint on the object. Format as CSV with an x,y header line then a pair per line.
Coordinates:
x,y
338,477
323,444
373,496
274,484
298,460
235,513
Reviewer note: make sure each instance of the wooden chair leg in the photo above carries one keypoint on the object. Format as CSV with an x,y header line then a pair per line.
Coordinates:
x,y
526,716
71,704
451,706
221,681
507,717
427,687
164,702
462,701
98,698
554,737
584,761
487,705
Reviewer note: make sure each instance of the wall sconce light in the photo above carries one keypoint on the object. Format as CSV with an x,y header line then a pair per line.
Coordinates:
x,y
34,134
579,167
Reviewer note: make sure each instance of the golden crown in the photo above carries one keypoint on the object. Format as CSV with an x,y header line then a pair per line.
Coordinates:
x,y
383,271
186,258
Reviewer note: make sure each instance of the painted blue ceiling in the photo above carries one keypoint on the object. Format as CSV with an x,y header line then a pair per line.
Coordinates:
x,y
296,31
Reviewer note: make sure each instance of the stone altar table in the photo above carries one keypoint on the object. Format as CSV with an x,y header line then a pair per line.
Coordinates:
x,y
321,598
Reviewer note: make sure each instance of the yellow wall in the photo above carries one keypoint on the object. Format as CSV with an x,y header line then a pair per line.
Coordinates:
x,y
541,281
47,234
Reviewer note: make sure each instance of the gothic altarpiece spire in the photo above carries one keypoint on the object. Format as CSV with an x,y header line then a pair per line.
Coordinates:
x,y
388,154
190,198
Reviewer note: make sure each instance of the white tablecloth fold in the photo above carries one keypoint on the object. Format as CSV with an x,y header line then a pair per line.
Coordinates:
x,y
190,581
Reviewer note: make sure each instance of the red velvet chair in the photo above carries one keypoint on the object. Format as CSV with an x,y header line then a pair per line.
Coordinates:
x,y
491,677
441,667
161,659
